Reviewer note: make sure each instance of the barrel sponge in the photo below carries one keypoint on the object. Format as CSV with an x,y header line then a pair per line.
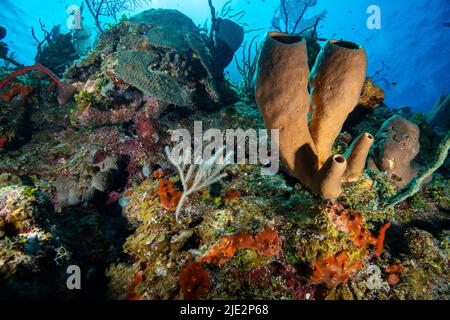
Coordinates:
x,y
308,125
396,145
133,68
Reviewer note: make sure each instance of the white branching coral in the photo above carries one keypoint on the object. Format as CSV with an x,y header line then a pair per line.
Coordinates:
x,y
199,174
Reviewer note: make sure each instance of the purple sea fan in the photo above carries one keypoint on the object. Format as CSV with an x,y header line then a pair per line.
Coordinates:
x,y
291,16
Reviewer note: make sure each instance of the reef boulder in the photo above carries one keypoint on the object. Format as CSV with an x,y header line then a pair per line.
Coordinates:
x,y
157,55
92,183
371,95
396,146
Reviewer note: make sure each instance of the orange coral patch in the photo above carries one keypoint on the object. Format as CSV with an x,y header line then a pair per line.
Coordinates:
x,y
158,174
168,195
17,89
333,270
393,279
232,195
138,278
396,268
393,273
266,243
351,222
194,281
221,252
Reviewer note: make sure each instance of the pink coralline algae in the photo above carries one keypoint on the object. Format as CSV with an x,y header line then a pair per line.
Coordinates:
x,y
94,116
145,129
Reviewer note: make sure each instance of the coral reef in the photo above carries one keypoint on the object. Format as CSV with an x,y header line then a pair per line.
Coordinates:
x,y
194,280
17,89
198,175
333,270
132,67
168,195
155,58
84,179
65,90
306,148
25,70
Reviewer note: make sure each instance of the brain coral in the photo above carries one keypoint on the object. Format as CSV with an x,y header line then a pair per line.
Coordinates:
x,y
173,30
168,27
133,68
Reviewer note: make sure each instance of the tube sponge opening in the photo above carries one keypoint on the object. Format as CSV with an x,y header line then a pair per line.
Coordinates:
x,y
285,38
346,44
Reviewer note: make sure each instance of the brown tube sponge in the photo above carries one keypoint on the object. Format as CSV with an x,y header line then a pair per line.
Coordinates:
x,y
357,156
283,98
336,84
327,182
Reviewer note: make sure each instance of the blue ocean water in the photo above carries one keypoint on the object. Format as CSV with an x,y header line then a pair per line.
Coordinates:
x,y
408,56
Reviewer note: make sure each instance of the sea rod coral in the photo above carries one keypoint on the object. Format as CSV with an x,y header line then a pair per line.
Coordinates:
x,y
198,175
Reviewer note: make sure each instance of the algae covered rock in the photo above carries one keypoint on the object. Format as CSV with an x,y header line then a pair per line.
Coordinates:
x,y
19,206
27,250
92,183
371,95
422,245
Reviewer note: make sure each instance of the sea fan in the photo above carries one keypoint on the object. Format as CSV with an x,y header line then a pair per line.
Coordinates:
x,y
110,8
